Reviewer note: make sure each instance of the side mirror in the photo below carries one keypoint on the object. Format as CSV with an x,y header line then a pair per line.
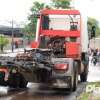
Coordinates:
x,y
34,44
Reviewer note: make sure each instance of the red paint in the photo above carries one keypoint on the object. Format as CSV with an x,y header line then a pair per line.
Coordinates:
x,y
72,49
61,33
34,44
60,12
61,66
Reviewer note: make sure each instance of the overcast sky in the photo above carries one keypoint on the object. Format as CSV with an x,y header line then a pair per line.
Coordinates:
x,y
91,7
19,9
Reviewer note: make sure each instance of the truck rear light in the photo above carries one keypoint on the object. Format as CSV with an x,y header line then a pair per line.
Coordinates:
x,y
61,67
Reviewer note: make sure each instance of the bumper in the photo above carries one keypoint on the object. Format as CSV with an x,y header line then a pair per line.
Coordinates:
x,y
61,82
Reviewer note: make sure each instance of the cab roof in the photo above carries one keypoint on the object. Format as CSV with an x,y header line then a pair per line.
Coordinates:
x,y
60,12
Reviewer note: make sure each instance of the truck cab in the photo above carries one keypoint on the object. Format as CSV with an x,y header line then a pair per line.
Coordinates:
x,y
62,26
64,32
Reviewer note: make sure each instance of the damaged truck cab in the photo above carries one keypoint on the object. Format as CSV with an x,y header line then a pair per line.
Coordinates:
x,y
64,33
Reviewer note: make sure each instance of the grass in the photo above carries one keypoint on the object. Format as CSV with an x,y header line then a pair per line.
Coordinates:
x,y
94,83
90,95
84,96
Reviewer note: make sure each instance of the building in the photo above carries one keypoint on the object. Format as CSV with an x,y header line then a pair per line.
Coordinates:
x,y
95,43
8,31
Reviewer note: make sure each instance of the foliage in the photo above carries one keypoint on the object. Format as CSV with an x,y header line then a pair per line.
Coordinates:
x,y
29,37
91,95
33,20
3,42
61,3
84,96
30,28
93,22
37,6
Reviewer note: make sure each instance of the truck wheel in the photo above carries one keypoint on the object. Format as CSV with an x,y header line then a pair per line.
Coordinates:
x,y
23,82
75,81
2,76
83,77
13,80
2,81
16,80
72,83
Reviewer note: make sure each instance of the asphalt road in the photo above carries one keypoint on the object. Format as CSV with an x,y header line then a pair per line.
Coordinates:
x,y
39,92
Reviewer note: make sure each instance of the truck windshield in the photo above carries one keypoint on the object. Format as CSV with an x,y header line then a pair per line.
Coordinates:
x,y
61,22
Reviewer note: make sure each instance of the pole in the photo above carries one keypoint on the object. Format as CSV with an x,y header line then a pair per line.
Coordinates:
x,y
12,42
94,43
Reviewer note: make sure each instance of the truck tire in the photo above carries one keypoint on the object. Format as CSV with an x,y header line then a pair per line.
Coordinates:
x,y
72,83
71,86
23,82
13,80
75,81
2,76
85,63
16,80
83,77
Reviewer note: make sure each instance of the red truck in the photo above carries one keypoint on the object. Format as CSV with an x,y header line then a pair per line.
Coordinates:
x,y
64,32
59,52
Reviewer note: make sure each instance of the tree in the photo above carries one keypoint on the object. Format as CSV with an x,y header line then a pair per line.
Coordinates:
x,y
93,27
37,6
93,31
3,42
33,20
61,3
30,28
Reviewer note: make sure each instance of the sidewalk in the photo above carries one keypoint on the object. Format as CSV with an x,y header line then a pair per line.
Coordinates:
x,y
92,91
94,72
